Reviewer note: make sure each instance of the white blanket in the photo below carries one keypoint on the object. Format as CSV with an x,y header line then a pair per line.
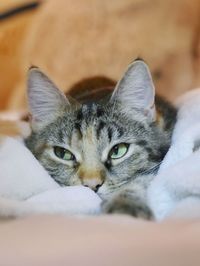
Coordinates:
x,y
175,191
26,188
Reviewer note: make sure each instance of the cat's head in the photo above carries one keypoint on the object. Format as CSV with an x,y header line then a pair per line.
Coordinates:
x,y
100,145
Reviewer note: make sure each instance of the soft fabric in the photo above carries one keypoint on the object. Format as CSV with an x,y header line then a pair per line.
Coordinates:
x,y
21,175
175,191
27,188
77,200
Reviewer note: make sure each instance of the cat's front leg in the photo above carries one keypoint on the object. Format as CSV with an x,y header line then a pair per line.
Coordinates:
x,y
127,202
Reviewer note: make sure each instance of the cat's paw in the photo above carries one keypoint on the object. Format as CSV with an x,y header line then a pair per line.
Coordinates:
x,y
125,205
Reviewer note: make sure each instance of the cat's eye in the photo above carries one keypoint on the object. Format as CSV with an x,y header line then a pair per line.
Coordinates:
x,y
118,151
63,154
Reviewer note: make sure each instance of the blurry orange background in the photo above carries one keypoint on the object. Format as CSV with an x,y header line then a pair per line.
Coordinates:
x,y
72,40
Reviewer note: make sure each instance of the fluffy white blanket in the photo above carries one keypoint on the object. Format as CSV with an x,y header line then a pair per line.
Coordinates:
x,y
175,191
26,188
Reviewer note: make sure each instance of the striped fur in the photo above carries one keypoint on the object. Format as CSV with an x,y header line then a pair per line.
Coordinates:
x,y
91,129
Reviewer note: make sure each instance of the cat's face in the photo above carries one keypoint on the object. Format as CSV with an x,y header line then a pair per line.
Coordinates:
x,y
100,145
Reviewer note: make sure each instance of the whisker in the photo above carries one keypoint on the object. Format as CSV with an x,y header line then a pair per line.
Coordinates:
x,y
148,171
115,187
118,185
151,170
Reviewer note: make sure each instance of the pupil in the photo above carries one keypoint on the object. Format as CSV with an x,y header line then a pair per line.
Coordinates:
x,y
116,149
60,152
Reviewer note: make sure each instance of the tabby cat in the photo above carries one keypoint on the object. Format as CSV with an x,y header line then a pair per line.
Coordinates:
x,y
114,146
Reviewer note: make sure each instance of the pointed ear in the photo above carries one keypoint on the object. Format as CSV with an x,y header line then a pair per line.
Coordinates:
x,y
46,101
135,91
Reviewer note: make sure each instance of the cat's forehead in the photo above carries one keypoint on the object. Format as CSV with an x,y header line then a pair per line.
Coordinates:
x,y
91,120
95,121
101,123
90,110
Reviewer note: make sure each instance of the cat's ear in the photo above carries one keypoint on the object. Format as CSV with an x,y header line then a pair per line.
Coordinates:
x,y
45,100
136,90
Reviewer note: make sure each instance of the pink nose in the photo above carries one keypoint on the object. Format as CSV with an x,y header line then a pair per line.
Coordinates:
x,y
93,183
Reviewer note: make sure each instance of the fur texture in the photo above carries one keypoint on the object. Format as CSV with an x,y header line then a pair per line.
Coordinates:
x,y
93,132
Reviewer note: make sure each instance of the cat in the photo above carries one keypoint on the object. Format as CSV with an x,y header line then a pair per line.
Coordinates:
x,y
113,146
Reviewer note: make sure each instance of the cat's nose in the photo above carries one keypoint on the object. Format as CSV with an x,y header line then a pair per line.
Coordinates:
x,y
93,183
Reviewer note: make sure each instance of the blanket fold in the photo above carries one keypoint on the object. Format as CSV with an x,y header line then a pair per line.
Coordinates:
x,y
175,191
26,187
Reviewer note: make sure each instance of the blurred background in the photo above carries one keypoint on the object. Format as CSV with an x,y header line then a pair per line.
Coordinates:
x,y
73,40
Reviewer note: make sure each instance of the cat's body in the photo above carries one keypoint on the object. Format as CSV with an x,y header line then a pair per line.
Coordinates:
x,y
113,146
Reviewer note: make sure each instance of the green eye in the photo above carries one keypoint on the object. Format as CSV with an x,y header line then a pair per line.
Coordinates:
x,y
63,154
118,151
